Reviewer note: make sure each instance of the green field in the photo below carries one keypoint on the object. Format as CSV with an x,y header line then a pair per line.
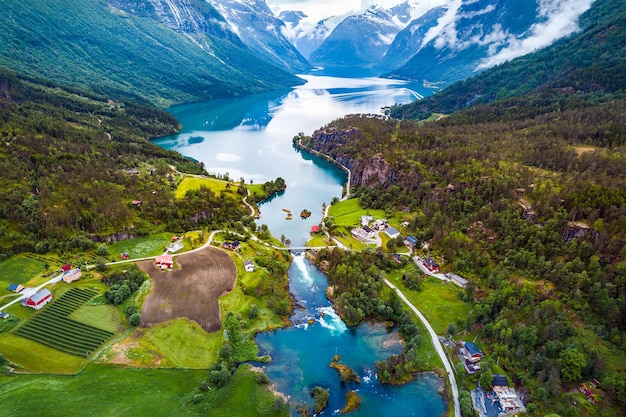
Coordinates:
x,y
103,390
439,301
348,213
103,316
38,358
18,270
141,247
52,327
194,183
185,344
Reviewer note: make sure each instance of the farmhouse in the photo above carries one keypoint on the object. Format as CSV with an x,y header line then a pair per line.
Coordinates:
x,y
430,264
65,268
248,265
4,315
410,242
231,245
473,354
164,262
15,287
72,275
461,282
38,300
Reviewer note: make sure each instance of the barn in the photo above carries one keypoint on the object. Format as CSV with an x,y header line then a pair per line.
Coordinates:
x,y
38,300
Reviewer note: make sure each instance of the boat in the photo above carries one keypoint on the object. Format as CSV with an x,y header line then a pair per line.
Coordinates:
x,y
287,211
288,216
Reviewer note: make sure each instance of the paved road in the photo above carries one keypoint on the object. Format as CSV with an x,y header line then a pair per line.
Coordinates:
x,y
436,345
27,292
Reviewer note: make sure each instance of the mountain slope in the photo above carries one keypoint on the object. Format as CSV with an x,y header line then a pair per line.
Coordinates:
x,y
262,32
163,51
361,40
580,63
484,33
410,40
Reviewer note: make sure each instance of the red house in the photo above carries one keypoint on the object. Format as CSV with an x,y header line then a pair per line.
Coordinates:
x,y
66,267
315,229
38,300
431,265
164,262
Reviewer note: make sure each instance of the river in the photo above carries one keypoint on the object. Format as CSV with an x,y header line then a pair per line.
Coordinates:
x,y
251,138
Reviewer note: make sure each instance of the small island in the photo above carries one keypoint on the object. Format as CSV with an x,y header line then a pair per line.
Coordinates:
x,y
353,402
345,372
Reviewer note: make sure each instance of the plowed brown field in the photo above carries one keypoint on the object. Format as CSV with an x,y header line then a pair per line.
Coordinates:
x,y
191,291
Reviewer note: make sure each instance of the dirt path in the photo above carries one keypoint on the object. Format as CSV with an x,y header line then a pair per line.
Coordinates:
x,y
192,290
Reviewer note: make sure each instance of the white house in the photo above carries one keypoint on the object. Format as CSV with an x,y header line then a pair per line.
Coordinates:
x,y
248,265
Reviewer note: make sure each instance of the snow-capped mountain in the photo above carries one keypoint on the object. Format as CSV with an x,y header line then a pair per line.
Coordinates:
x,y
363,39
260,30
479,34
412,38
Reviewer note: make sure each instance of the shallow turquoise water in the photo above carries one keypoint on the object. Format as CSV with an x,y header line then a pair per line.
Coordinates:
x,y
301,355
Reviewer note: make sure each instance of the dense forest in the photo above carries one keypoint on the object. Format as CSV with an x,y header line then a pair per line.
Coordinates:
x,y
525,196
78,167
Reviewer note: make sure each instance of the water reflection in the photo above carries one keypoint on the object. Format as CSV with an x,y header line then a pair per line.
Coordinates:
x,y
251,138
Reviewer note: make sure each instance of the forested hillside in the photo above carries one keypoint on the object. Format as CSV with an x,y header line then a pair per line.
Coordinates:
x,y
182,51
593,61
527,198
72,163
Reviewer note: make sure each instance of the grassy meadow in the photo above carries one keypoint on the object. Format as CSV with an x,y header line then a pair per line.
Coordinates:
x,y
20,269
151,245
113,391
348,213
195,183
439,301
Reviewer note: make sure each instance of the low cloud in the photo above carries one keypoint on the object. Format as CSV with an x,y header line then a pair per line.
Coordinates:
x,y
560,19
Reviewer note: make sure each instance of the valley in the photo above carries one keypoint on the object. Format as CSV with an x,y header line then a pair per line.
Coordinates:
x,y
458,167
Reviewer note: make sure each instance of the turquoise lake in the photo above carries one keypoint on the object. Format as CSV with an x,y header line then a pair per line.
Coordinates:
x,y
251,138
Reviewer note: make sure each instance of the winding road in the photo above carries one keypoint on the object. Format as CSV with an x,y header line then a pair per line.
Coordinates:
x,y
436,345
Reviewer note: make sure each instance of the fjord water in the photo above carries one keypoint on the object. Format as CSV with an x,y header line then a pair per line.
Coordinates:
x,y
251,138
